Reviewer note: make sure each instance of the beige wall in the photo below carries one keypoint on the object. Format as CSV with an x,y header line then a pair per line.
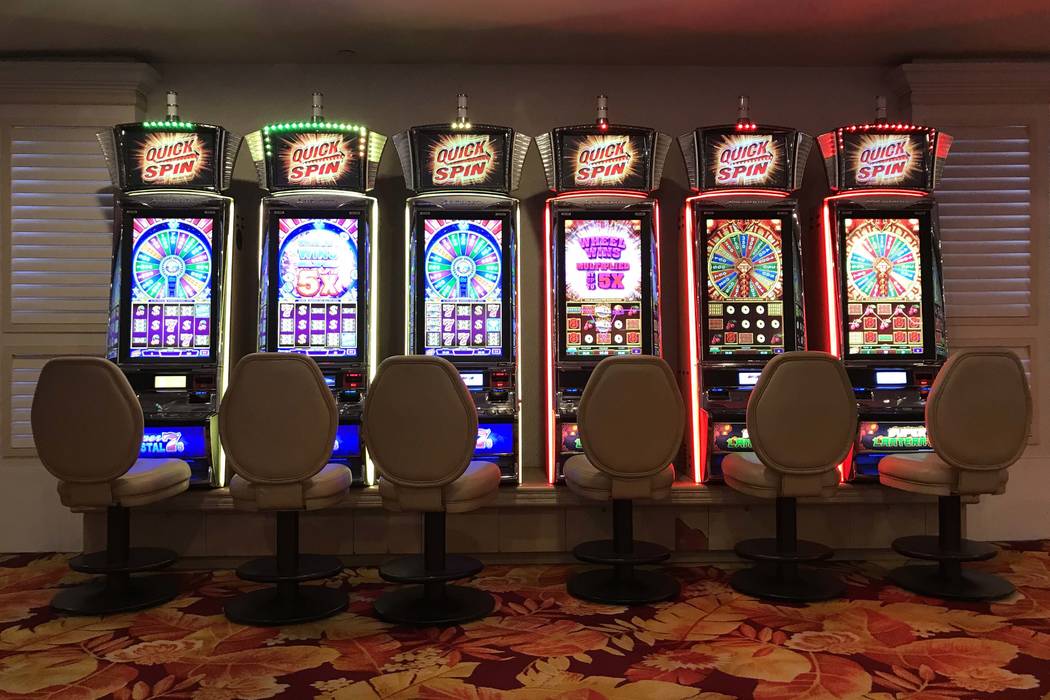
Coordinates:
x,y
532,99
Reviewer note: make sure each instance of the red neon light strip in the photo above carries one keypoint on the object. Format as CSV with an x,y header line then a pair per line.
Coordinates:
x,y
715,194
697,425
548,330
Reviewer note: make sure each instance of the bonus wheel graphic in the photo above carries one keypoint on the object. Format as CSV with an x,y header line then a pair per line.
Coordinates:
x,y
463,261
172,260
744,261
882,260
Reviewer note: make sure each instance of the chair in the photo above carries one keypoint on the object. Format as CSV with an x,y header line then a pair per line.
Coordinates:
x,y
87,425
977,418
802,421
277,423
631,419
421,427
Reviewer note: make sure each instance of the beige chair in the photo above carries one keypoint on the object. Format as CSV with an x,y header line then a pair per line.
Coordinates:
x,y
277,423
802,421
631,419
977,418
87,425
420,426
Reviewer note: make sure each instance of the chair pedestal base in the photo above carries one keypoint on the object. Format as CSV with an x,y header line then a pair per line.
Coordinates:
x,y
633,587
931,580
116,593
287,604
434,605
432,602
947,578
778,582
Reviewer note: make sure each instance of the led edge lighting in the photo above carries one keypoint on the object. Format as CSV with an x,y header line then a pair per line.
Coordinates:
x,y
517,338
548,349
224,359
373,316
695,432
409,292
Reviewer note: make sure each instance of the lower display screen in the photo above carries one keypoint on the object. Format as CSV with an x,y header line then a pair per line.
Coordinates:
x,y
180,442
883,281
731,437
347,441
603,287
893,437
495,439
172,273
570,438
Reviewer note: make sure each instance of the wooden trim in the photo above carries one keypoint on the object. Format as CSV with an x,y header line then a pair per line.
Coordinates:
x,y
76,82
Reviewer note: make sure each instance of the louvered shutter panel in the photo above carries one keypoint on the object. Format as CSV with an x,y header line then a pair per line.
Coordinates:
x,y
986,228
61,230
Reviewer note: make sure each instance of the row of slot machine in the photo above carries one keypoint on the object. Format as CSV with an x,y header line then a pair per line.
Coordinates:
x,y
878,263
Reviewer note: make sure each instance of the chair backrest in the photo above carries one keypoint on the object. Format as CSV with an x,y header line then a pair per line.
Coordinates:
x,y
631,416
420,424
87,421
979,410
802,414
278,418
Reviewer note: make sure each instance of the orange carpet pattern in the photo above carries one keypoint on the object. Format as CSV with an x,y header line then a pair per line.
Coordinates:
x,y
880,643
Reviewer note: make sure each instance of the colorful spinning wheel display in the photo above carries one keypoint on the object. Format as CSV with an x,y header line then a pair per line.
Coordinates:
x,y
172,259
463,260
882,260
744,260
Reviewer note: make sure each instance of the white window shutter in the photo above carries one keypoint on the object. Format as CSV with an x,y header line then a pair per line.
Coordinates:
x,y
986,229
61,229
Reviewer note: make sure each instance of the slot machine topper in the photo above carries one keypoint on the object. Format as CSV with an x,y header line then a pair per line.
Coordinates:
x,y
883,293
170,284
318,258
461,265
602,263
742,265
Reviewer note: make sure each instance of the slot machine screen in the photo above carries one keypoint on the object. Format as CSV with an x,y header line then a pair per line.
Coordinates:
x,y
317,278
463,286
744,279
603,288
172,272
883,286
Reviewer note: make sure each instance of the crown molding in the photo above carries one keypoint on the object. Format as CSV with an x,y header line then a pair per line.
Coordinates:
x,y
76,82
973,82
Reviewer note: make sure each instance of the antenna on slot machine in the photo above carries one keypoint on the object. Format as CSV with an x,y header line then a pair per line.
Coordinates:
x,y
462,120
880,109
743,114
317,111
603,112
173,106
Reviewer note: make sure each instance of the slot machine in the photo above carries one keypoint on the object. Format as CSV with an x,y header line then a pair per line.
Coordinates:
x,y
318,259
743,275
461,245
170,291
602,271
884,295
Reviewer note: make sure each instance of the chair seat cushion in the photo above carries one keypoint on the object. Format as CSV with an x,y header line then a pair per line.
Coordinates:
x,y
926,472
322,490
148,481
585,479
745,472
475,488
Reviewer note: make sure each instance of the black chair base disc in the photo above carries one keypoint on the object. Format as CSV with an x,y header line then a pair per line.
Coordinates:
x,y
412,569
310,567
805,586
139,559
96,598
928,547
636,588
927,580
265,608
604,552
766,550
459,604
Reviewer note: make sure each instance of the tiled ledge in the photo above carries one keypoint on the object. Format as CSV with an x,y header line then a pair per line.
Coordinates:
x,y
547,496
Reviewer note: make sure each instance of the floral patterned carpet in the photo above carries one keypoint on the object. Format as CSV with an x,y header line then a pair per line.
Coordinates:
x,y
540,643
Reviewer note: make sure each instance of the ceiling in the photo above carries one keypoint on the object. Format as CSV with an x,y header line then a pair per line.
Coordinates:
x,y
623,32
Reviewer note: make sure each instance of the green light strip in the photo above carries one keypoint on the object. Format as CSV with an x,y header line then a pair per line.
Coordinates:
x,y
314,126
169,125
